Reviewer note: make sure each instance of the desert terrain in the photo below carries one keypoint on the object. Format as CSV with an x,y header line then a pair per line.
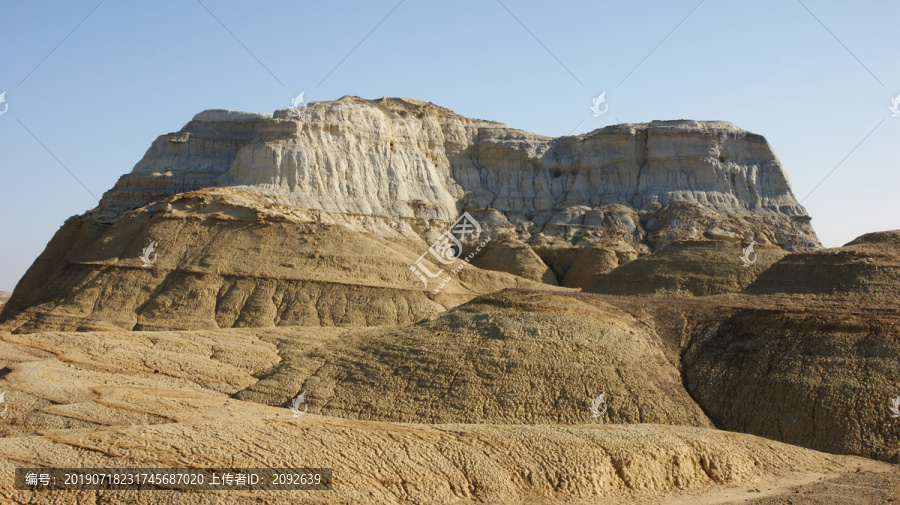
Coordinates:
x,y
471,313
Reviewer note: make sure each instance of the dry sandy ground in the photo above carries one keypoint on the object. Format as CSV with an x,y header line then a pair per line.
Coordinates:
x,y
870,483
216,398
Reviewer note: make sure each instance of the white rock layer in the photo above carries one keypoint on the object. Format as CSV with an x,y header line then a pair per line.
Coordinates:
x,y
403,167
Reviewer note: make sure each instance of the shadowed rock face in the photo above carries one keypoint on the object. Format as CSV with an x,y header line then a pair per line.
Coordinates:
x,y
686,268
811,355
816,379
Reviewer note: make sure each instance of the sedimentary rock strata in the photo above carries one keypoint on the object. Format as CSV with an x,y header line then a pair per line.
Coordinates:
x,y
297,218
599,334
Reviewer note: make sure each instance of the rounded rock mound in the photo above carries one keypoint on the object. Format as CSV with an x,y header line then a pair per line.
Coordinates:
x,y
688,268
511,357
865,271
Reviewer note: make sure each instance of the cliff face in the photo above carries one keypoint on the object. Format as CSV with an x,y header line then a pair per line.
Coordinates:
x,y
394,166
317,216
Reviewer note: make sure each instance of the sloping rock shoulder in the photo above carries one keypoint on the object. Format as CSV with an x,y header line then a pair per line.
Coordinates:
x,y
223,258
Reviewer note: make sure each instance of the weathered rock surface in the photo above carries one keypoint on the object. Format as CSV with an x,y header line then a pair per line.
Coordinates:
x,y
226,259
810,356
4,297
815,379
408,161
686,268
516,357
386,463
754,363
515,257
865,271
151,399
319,217
510,358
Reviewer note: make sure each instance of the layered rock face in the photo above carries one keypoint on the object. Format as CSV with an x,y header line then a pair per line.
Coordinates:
x,y
809,353
226,259
865,271
404,168
811,378
379,181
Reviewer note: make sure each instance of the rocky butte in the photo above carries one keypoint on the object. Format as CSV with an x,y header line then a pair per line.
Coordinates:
x,y
284,256
298,217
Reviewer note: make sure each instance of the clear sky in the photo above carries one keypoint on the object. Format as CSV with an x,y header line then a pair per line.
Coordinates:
x,y
90,85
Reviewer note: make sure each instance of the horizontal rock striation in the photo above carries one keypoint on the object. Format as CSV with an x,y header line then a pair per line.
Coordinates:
x,y
379,181
404,158
226,259
404,168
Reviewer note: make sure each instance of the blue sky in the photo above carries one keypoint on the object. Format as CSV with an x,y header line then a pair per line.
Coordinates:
x,y
89,85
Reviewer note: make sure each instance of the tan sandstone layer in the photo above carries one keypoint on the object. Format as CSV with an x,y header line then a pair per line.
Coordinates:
x,y
227,259
151,399
781,366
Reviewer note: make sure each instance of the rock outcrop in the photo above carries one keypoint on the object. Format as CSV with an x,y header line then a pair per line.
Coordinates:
x,y
241,207
516,358
409,162
119,399
865,271
252,258
816,379
809,355
227,259
400,168
686,268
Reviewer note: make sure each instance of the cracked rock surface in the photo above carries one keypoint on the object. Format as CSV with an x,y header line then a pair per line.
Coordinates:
x,y
603,340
